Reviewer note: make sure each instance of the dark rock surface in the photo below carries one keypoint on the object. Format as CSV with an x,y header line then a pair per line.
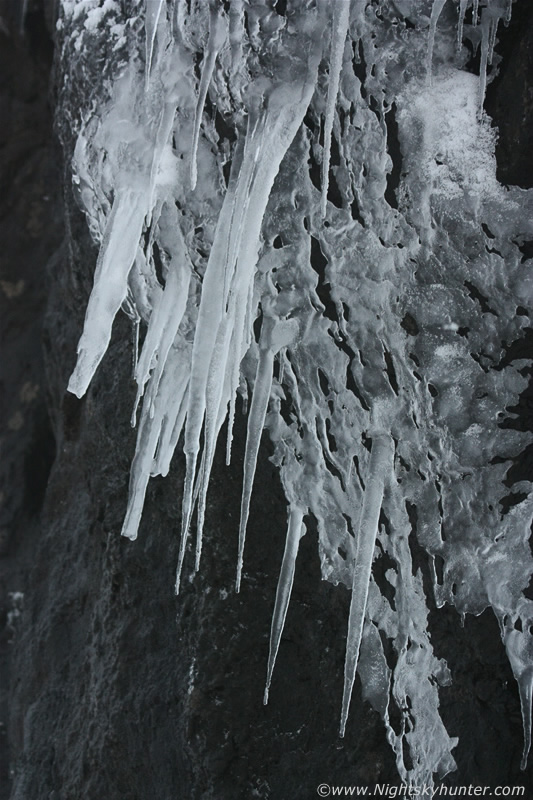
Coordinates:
x,y
117,688
30,233
510,99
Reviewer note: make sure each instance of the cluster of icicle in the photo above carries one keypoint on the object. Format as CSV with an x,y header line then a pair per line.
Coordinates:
x,y
384,294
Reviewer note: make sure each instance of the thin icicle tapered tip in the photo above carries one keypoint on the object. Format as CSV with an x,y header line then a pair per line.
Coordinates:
x,y
379,473
186,514
284,589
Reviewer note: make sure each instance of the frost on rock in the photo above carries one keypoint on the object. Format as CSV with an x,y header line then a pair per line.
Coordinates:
x,y
302,204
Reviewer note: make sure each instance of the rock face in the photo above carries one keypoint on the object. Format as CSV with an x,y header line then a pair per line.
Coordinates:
x,y
118,689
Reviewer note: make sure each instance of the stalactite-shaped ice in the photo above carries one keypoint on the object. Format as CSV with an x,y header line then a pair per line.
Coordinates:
x,y
341,18
519,646
273,339
217,37
168,312
379,469
115,260
486,28
283,592
233,257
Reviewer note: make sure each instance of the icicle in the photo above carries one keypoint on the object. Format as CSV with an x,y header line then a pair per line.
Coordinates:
x,y
275,335
217,37
380,464
508,11
234,252
283,592
436,11
190,470
214,417
341,18
212,305
170,433
140,474
152,15
519,647
475,13
135,336
493,30
525,689
485,36
114,263
155,413
163,326
256,421
462,11
240,346
168,313
143,285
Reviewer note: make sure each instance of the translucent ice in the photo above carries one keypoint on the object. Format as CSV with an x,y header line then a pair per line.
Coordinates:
x,y
376,343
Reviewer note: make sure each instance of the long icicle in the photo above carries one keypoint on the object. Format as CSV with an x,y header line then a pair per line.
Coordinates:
x,y
525,687
256,421
341,18
217,37
232,260
214,416
283,592
173,424
170,309
275,334
188,490
115,260
221,386
242,338
148,440
485,37
380,465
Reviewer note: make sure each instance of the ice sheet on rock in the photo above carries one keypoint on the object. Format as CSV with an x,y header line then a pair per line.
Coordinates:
x,y
402,306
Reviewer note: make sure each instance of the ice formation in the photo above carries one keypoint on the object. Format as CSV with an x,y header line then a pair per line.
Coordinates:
x,y
298,201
